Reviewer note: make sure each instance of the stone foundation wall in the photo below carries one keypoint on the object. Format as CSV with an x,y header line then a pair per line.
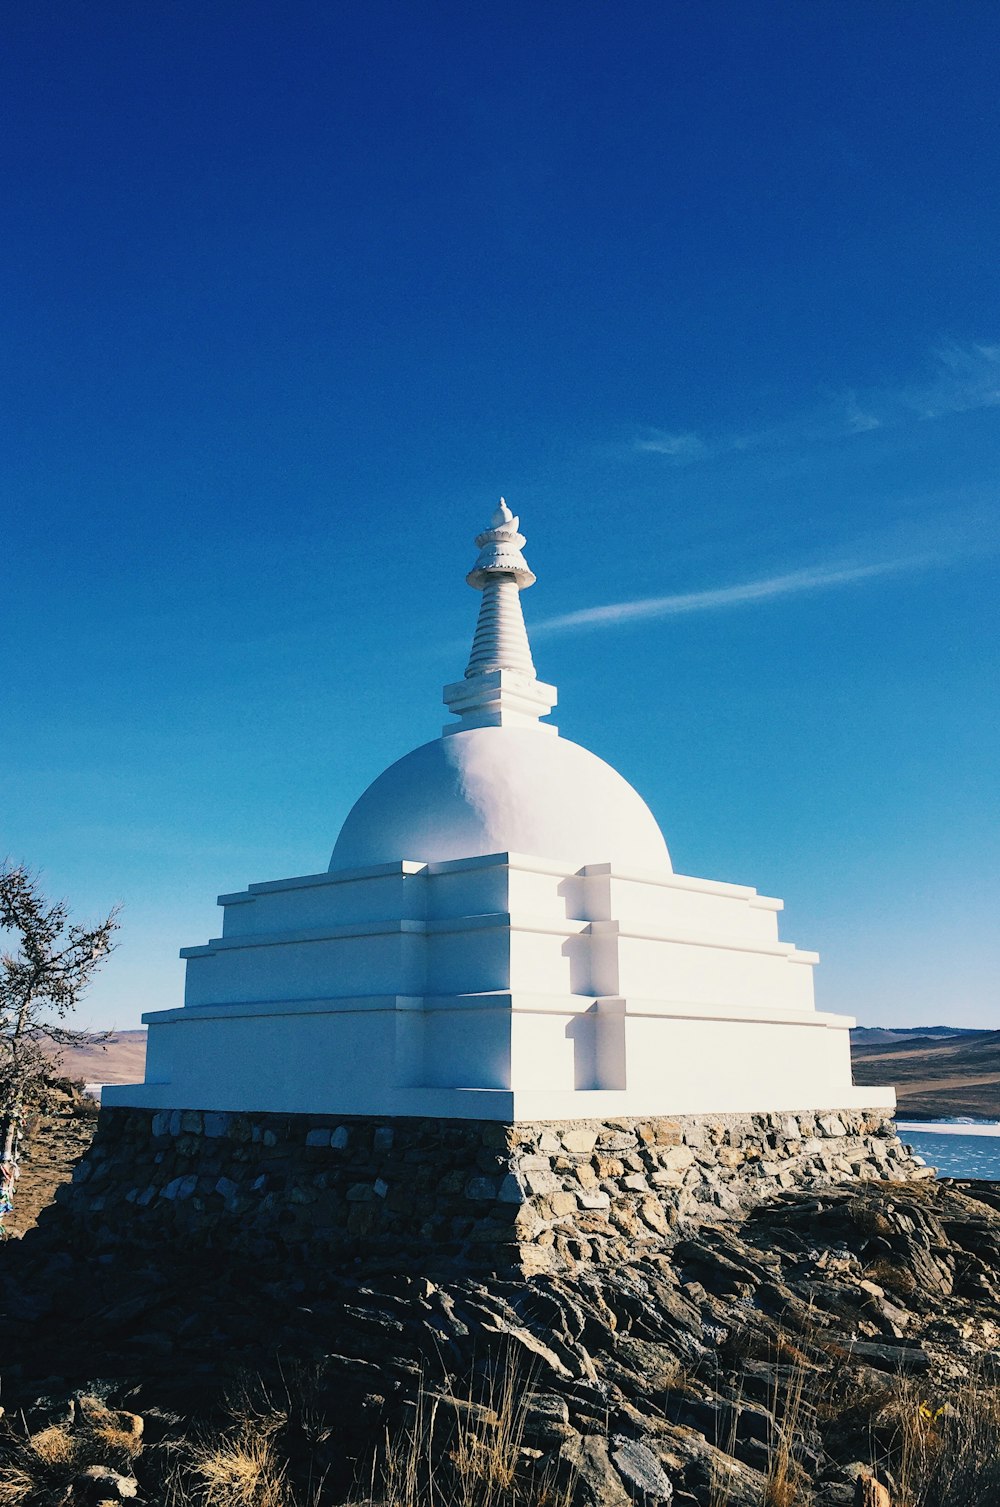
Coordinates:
x,y
536,1197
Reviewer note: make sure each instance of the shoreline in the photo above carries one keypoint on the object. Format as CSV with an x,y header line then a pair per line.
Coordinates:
x,y
948,1127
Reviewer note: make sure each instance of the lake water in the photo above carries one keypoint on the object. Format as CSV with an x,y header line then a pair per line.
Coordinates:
x,y
957,1148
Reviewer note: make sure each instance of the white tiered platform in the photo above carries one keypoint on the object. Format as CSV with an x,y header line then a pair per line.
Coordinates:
x,y
500,936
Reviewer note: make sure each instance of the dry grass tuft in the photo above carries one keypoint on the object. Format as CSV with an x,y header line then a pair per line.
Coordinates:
x,y
485,1449
868,1217
894,1278
39,1469
110,1438
785,1482
774,1347
53,1446
463,1452
240,1471
16,1486
944,1450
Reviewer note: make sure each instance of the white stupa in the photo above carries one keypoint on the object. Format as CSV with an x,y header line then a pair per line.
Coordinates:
x,y
500,935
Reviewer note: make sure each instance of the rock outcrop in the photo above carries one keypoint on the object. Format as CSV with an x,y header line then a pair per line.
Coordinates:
x,y
795,1339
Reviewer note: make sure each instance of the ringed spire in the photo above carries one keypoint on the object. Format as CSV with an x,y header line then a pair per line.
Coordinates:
x,y
501,573
501,686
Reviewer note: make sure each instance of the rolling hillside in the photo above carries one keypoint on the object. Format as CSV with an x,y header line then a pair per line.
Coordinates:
x,y
935,1074
121,1058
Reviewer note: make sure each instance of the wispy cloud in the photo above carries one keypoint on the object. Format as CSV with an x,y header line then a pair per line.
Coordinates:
x,y
792,583
858,420
967,377
678,446
962,378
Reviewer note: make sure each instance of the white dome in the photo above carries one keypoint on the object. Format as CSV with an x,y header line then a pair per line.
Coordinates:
x,y
502,790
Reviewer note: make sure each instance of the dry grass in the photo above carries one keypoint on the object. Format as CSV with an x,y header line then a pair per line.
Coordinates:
x,y
465,1448
785,1481
461,1452
773,1347
117,1442
240,1464
456,1449
939,1448
54,1446
16,1485
943,1450
867,1216
723,1464
39,1468
893,1277
485,1451
237,1471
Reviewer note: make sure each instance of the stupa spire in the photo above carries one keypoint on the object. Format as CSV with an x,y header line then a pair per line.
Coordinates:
x,y
501,573
500,686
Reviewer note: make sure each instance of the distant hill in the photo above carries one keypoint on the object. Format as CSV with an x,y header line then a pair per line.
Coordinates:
x,y
121,1058
937,1071
875,1034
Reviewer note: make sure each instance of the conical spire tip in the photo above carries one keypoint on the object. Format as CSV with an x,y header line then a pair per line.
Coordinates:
x,y
500,554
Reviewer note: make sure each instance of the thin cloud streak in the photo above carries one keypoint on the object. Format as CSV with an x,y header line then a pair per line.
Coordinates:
x,y
965,378
680,447
793,583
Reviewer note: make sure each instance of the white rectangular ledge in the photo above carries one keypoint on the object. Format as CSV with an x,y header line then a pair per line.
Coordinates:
x,y
508,1106
311,881
506,921
601,1104
650,933
322,934
487,921
516,1002
248,1009
684,882
525,862
670,1009
521,1003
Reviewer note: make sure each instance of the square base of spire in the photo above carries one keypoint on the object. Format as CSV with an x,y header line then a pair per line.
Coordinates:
x,y
499,698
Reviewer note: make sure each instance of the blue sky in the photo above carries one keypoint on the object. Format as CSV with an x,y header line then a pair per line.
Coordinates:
x,y
707,290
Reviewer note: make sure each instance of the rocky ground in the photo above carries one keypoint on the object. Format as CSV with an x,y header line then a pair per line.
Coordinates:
x,y
826,1340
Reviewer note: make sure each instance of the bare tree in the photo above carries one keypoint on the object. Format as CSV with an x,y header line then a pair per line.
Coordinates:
x,y
41,982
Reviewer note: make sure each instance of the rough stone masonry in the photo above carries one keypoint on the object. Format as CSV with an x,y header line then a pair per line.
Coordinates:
x,y
530,1197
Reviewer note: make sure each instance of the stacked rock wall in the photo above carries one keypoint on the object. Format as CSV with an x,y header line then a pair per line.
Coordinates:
x,y
534,1196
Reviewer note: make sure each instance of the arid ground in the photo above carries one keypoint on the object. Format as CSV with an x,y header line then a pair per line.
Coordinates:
x,y
934,1075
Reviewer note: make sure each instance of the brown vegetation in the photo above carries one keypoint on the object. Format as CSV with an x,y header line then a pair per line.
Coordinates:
x,y
929,1447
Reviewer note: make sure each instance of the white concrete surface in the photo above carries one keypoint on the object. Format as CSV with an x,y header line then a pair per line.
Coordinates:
x,y
497,987
520,789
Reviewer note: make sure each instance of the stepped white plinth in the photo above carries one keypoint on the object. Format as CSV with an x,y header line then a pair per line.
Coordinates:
x,y
500,936
502,987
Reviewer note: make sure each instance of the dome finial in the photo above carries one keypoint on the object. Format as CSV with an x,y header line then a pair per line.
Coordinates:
x,y
500,683
500,554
